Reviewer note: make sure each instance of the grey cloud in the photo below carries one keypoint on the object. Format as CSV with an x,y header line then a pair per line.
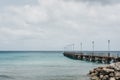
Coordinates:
x,y
103,2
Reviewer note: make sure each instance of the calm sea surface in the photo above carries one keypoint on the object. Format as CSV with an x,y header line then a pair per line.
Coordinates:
x,y
42,66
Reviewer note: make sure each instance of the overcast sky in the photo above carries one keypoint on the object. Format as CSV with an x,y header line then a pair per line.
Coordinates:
x,y
53,24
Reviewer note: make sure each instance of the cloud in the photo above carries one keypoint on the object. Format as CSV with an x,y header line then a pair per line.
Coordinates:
x,y
101,2
4,3
51,24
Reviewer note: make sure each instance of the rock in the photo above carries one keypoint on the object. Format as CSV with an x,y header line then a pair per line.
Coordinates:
x,y
117,78
116,66
111,74
94,78
91,71
102,72
108,70
93,74
117,74
112,78
106,77
100,67
101,76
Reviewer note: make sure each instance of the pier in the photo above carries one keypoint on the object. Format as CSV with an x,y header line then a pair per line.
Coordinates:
x,y
105,58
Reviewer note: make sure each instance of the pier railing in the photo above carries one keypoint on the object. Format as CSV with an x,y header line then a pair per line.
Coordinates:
x,y
101,57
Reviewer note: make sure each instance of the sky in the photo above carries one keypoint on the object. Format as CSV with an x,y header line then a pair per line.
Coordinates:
x,y
55,24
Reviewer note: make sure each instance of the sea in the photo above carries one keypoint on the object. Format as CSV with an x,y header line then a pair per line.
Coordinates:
x,y
42,65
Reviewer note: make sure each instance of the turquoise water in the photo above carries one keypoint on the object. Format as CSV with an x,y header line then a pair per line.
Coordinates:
x,y
42,66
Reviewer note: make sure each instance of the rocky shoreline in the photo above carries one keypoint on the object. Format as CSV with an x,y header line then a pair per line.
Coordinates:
x,y
109,72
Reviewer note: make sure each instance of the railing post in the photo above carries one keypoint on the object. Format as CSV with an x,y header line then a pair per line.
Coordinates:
x,y
81,47
108,48
93,47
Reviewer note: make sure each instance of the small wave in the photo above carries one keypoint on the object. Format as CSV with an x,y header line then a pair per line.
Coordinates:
x,y
6,76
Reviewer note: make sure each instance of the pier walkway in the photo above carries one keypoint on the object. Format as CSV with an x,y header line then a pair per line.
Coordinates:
x,y
93,57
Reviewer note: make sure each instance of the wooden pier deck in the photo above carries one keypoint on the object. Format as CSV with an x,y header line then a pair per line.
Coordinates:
x,y
92,57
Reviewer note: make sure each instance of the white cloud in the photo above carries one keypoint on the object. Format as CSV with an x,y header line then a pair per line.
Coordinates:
x,y
55,23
